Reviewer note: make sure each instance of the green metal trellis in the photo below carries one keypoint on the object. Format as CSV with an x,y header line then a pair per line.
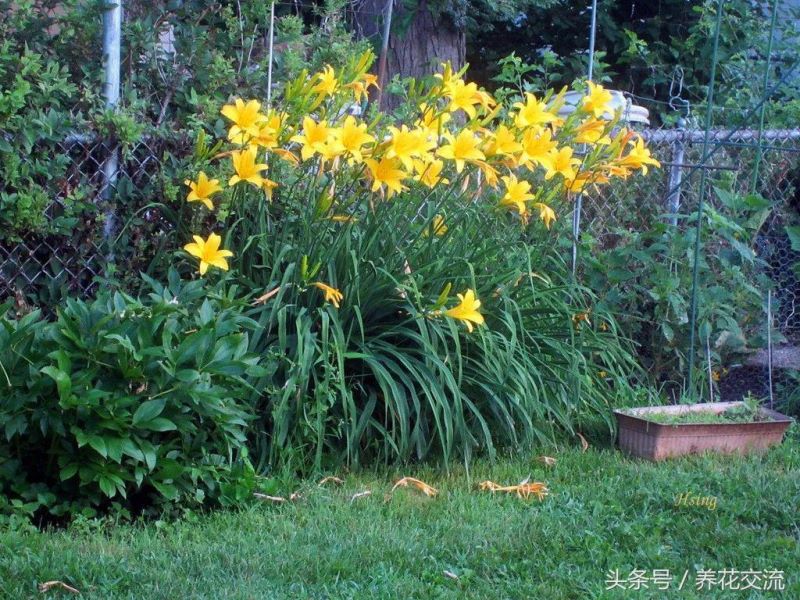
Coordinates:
x,y
761,107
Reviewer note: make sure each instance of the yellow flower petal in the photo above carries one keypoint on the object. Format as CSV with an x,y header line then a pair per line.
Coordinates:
x,y
208,252
467,310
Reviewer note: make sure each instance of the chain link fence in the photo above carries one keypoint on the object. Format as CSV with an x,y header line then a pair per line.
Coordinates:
x,y
668,195
71,259
767,364
69,255
100,186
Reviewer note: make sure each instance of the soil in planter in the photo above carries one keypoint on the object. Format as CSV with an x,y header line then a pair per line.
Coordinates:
x,y
747,412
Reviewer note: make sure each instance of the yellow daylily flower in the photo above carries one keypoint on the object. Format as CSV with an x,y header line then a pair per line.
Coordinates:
x,y
268,130
430,173
246,118
370,79
352,137
361,86
406,145
202,190
485,99
313,138
517,194
386,172
331,150
561,162
466,310
462,148
617,169
463,96
268,185
532,113
244,163
286,155
267,137
546,214
332,295
623,137
431,119
597,101
579,183
592,131
638,158
536,147
447,76
489,173
503,142
208,252
581,317
326,82
437,227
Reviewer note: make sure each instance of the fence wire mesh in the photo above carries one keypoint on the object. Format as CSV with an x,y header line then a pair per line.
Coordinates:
x,y
767,363
68,249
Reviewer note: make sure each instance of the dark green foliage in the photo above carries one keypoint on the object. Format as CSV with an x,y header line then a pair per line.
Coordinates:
x,y
645,279
48,70
125,402
185,59
651,49
36,95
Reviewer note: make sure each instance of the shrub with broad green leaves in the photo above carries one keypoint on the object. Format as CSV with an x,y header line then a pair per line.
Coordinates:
x,y
135,403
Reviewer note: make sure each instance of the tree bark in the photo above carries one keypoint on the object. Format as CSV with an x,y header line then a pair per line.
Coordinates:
x,y
419,42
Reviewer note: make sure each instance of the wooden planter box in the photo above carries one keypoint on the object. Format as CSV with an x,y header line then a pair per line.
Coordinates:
x,y
655,441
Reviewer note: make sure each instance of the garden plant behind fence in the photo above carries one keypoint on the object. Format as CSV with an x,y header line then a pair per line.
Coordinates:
x,y
768,364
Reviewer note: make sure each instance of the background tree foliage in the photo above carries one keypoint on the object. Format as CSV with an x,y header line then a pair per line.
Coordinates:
x,y
645,48
656,50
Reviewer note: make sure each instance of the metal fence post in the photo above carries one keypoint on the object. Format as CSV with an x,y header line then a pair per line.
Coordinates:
x,y
112,38
271,52
387,30
578,208
769,347
676,175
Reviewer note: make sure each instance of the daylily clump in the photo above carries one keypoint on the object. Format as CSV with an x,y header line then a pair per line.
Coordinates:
x,y
518,161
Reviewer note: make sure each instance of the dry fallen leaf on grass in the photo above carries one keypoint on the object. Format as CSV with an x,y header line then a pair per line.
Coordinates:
x,y
584,443
277,499
416,483
360,495
522,490
547,460
263,298
331,479
293,497
48,585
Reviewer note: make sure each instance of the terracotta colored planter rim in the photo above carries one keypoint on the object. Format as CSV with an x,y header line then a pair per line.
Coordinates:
x,y
640,413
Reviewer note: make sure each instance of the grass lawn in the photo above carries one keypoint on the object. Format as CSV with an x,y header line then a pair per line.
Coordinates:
x,y
605,512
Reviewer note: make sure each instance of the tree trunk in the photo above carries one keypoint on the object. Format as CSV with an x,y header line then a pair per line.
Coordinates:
x,y
419,42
